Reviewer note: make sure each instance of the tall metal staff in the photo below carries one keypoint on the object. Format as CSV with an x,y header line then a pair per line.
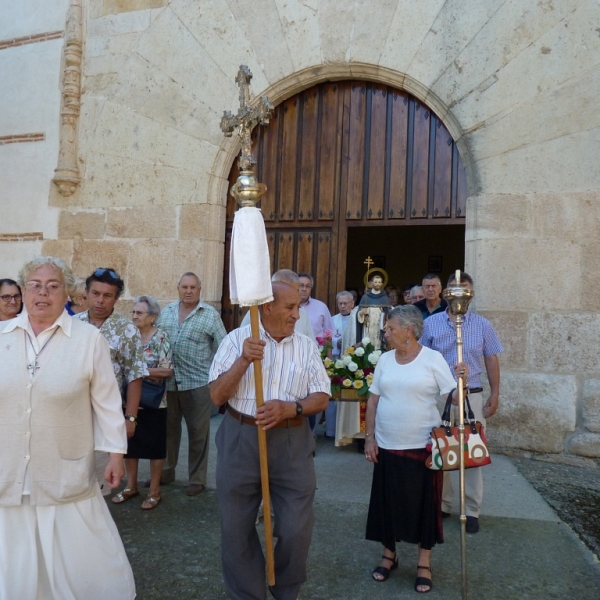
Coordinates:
x,y
458,299
249,274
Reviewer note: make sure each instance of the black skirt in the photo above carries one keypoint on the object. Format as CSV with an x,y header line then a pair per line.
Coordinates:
x,y
150,437
406,500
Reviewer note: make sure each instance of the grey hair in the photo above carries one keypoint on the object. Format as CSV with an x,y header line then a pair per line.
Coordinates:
x,y
152,303
343,293
415,288
408,316
78,288
287,276
190,274
56,263
309,277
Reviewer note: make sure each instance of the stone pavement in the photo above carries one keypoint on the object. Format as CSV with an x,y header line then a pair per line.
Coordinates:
x,y
523,549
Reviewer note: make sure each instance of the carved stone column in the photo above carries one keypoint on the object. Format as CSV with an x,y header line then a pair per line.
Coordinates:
x,y
67,176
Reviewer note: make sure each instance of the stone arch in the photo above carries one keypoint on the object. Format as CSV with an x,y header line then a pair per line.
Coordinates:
x,y
306,78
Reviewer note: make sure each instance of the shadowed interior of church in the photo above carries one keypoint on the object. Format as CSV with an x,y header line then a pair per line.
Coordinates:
x,y
406,253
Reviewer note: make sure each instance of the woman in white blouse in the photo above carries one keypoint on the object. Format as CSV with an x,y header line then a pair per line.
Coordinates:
x,y
59,401
405,502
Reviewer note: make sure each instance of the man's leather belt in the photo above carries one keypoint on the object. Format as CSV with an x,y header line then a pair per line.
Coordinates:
x,y
475,390
251,421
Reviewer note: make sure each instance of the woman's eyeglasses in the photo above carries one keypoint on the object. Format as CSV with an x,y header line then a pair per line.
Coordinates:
x,y
7,298
52,288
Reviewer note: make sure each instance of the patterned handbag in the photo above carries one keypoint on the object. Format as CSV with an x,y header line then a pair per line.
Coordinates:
x,y
444,444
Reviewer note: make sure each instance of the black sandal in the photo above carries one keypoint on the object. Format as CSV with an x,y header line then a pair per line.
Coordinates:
x,y
423,581
384,571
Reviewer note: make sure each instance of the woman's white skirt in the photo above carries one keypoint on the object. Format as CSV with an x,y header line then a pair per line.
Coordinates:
x,y
66,552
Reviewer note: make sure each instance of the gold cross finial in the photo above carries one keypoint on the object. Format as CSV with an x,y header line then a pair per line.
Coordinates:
x,y
369,262
247,118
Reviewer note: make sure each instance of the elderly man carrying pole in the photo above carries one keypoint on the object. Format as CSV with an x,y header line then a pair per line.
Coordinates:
x,y
296,386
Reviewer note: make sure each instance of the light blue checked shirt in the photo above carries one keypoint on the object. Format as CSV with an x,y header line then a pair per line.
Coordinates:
x,y
479,340
193,344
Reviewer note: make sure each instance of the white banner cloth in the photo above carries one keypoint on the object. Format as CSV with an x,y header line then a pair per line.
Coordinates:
x,y
249,267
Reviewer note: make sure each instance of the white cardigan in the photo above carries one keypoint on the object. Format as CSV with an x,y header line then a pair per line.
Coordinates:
x,y
51,423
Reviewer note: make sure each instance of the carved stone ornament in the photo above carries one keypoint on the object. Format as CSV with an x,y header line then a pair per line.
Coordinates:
x,y
67,176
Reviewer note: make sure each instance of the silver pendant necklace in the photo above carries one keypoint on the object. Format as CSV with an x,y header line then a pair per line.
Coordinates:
x,y
33,367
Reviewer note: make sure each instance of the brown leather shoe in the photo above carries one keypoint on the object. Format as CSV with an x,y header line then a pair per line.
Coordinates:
x,y
194,489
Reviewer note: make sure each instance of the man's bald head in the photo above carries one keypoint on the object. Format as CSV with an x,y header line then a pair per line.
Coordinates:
x,y
286,276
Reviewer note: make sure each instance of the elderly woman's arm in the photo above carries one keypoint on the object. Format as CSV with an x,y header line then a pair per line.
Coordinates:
x,y
371,448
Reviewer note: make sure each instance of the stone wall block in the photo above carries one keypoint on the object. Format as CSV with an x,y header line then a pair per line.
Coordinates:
x,y
536,412
511,327
123,132
215,34
591,405
336,23
146,222
168,31
113,181
507,34
443,43
561,342
526,265
113,7
59,248
300,24
585,444
84,224
590,274
364,46
155,266
212,278
155,95
202,222
540,67
555,165
89,255
497,216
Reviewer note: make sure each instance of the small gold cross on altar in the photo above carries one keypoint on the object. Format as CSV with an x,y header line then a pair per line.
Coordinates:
x,y
369,262
247,118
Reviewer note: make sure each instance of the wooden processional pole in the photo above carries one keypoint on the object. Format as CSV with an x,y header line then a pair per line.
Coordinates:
x,y
247,191
458,299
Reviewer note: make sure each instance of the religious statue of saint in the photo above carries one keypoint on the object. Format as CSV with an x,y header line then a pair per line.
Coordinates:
x,y
372,311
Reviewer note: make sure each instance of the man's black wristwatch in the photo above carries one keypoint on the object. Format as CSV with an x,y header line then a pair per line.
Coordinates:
x,y
131,418
298,409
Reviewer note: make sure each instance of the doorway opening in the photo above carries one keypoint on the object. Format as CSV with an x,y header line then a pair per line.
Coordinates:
x,y
406,253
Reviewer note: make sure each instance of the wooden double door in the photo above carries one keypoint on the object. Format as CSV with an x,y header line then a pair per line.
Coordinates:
x,y
345,154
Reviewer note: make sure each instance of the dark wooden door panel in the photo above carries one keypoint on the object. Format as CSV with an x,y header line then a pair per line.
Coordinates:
x,y
420,163
329,151
348,152
377,151
289,157
356,151
442,194
308,156
397,155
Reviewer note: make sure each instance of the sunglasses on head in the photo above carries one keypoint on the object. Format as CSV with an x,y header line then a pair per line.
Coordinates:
x,y
100,272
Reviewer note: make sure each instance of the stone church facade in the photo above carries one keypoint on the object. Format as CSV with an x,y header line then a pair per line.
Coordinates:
x,y
111,154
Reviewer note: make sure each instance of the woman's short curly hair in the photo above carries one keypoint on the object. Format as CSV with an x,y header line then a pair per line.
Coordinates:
x,y
408,315
53,261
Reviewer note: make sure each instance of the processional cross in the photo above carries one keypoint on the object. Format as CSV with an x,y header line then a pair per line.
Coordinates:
x,y
246,119
249,272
